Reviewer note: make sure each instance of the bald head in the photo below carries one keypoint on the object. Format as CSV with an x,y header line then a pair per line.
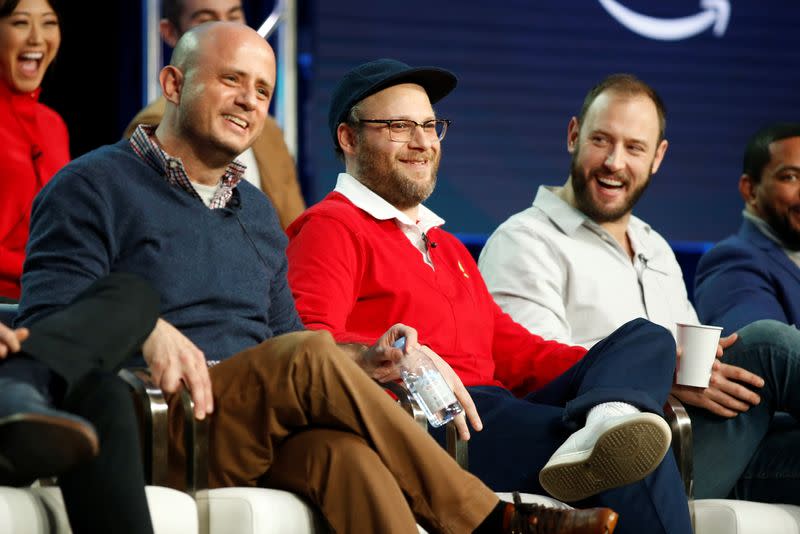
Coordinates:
x,y
187,48
217,87
214,36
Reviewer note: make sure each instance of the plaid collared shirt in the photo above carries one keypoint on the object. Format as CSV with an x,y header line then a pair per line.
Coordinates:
x,y
173,170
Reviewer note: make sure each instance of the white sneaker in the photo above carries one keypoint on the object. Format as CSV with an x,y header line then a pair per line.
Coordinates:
x,y
607,454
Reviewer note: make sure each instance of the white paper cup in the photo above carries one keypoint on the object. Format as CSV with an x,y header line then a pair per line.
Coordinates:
x,y
698,345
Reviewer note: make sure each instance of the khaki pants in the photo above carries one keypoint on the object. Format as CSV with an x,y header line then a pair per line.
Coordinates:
x,y
296,413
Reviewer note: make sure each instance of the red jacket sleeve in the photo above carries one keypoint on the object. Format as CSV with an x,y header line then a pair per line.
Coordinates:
x,y
19,182
524,361
324,268
17,188
11,263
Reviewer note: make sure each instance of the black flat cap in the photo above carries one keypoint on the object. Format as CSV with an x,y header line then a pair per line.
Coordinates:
x,y
369,78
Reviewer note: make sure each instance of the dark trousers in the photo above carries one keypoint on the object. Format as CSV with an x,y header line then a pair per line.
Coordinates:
x,y
72,357
635,364
761,452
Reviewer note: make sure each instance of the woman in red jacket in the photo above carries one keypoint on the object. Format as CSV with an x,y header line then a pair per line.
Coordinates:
x,y
33,138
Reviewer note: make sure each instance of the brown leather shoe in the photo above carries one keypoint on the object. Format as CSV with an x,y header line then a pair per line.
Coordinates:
x,y
538,519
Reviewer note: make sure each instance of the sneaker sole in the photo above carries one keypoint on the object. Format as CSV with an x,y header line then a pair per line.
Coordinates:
x,y
624,454
34,446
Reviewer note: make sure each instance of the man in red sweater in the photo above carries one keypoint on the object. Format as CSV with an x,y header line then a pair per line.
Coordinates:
x,y
583,426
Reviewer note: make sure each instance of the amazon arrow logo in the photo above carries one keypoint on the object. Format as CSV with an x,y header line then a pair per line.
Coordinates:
x,y
714,14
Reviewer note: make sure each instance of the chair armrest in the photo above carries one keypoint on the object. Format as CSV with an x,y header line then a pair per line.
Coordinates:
x,y
195,440
407,402
456,447
151,408
681,426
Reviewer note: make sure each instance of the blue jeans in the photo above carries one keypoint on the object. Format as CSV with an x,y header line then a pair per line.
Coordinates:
x,y
635,364
751,456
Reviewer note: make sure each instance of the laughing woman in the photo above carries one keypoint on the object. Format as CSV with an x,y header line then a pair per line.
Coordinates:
x,y
33,138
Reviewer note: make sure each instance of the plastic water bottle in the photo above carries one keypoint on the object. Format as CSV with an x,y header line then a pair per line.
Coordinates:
x,y
427,385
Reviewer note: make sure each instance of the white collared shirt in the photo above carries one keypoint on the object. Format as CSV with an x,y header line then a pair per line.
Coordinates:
x,y
366,199
564,277
252,174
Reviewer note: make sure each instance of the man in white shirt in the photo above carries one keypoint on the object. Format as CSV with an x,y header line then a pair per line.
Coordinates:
x,y
577,264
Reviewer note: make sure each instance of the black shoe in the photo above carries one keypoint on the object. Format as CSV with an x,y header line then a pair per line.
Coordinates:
x,y
538,519
37,440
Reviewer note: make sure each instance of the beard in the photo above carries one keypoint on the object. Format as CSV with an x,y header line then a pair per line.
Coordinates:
x,y
781,224
583,198
379,173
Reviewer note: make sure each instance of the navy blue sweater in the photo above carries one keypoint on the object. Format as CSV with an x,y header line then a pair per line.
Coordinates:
x,y
221,273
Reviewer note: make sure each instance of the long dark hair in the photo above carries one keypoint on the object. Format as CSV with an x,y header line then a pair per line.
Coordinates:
x,y
7,7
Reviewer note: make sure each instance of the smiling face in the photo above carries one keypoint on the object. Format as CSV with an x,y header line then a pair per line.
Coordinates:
x,y
614,153
776,197
404,174
225,92
29,40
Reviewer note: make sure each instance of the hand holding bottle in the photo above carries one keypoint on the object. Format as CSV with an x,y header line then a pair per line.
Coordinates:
x,y
382,360
427,385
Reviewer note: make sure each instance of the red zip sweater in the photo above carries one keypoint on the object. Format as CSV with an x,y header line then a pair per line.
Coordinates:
x,y
35,145
356,276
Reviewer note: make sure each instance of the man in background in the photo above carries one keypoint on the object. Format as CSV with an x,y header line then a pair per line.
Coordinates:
x,y
755,274
270,167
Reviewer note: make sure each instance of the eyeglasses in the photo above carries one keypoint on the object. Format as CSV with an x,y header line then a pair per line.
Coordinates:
x,y
402,130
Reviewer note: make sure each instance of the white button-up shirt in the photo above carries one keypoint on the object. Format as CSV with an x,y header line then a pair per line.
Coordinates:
x,y
374,204
251,172
564,277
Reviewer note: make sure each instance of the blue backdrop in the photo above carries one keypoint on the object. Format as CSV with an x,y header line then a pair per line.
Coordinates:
x,y
524,67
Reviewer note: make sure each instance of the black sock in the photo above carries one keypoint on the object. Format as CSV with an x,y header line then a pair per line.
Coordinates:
x,y
494,521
